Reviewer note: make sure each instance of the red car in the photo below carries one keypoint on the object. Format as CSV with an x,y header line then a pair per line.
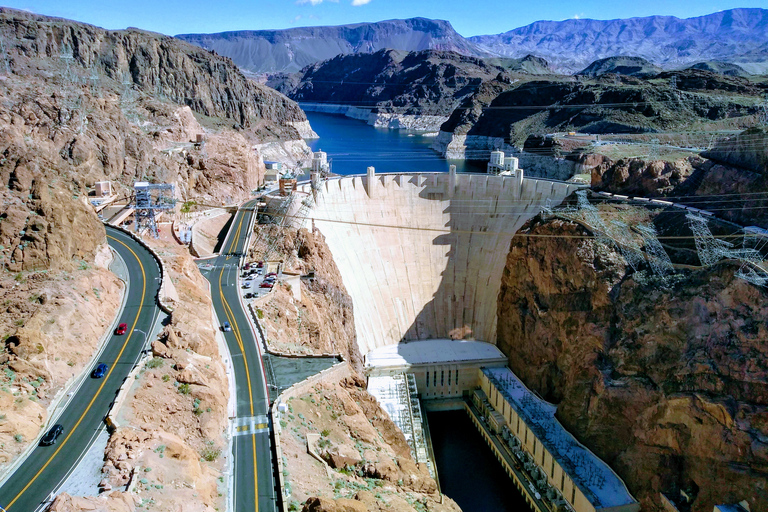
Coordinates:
x,y
121,329
247,266
260,264
266,285
271,274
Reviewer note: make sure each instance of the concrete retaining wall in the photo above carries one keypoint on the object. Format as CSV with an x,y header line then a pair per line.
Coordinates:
x,y
422,254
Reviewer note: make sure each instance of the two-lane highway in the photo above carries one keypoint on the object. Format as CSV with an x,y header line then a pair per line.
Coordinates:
x,y
47,466
254,485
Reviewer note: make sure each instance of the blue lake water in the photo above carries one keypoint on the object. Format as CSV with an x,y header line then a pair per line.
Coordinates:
x,y
353,145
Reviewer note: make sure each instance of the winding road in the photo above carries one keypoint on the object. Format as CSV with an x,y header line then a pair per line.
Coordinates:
x,y
46,467
254,484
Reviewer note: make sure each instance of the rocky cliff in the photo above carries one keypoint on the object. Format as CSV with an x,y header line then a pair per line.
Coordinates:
x,y
146,62
667,385
322,322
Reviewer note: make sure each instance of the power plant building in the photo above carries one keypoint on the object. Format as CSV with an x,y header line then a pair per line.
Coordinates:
x,y
443,368
570,475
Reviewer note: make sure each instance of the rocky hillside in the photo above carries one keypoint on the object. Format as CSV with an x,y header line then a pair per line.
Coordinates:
x,y
723,68
146,62
322,322
667,385
428,82
501,113
621,65
365,463
79,104
729,180
737,35
292,49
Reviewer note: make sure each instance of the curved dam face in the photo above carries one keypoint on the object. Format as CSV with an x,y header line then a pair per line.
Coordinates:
x,y
422,254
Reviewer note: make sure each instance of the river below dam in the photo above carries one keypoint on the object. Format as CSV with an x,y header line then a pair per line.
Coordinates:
x,y
353,145
467,469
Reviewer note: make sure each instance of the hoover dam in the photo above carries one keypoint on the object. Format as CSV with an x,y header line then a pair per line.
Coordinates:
x,y
422,254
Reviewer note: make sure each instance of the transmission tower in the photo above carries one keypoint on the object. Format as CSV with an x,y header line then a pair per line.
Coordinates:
x,y
657,257
710,249
763,117
653,153
146,205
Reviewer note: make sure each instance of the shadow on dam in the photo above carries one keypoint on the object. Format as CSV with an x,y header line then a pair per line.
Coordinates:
x,y
468,472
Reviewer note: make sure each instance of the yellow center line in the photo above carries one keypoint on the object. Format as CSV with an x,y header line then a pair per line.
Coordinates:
x,y
104,382
236,330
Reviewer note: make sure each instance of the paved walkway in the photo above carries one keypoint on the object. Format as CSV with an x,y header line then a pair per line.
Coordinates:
x,y
85,477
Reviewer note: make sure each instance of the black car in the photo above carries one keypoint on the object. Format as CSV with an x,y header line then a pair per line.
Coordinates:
x,y
50,437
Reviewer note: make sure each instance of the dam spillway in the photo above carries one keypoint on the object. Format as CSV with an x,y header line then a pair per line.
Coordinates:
x,y
422,255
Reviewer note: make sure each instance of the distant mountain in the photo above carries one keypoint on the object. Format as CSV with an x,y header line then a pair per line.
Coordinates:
x,y
291,50
429,82
721,68
621,65
736,35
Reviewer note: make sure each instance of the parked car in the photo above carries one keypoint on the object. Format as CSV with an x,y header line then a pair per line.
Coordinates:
x,y
99,371
266,285
121,329
50,437
247,284
247,266
226,327
271,274
270,280
260,264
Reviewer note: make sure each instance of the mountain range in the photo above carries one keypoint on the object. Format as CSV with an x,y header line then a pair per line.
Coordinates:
x,y
738,36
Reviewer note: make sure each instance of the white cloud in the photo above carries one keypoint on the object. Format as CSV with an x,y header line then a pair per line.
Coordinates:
x,y
360,2
294,20
577,16
313,2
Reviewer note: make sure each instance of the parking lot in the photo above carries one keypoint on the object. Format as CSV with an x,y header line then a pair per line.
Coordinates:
x,y
255,281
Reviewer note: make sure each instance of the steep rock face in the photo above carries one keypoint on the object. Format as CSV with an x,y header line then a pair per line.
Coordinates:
x,y
735,35
636,176
666,385
323,321
292,49
151,63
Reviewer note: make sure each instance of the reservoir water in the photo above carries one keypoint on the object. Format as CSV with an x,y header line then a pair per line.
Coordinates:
x,y
468,471
353,145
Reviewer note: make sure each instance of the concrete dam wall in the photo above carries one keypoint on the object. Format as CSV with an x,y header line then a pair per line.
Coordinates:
x,y
422,254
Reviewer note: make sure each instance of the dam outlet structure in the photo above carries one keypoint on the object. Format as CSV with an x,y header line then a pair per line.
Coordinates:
x,y
422,255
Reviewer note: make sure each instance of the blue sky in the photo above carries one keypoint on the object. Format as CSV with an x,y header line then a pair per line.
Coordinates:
x,y
468,17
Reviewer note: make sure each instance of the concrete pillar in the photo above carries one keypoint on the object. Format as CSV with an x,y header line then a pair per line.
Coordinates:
x,y
451,180
371,171
519,179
